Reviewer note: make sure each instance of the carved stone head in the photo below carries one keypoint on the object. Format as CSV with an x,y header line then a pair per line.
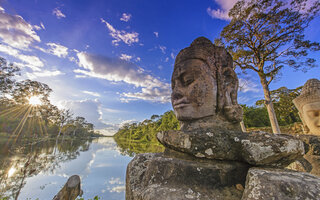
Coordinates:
x,y
204,87
308,105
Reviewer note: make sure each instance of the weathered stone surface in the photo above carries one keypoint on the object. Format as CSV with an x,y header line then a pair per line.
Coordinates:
x,y
157,176
308,104
315,163
258,148
204,88
311,144
301,165
266,184
71,190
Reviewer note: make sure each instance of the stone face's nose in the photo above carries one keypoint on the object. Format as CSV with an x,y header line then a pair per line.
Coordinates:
x,y
176,93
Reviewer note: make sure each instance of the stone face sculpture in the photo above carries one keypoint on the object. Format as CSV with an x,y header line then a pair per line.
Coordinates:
x,y
204,88
210,156
308,105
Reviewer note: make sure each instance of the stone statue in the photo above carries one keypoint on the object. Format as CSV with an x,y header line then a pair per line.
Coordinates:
x,y
210,156
204,88
308,105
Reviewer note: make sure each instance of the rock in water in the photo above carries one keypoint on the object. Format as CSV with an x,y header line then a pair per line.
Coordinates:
x,y
265,184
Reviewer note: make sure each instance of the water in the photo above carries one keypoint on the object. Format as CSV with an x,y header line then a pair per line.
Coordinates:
x,y
40,170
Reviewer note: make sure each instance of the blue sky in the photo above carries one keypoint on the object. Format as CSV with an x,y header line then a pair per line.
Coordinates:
x,y
111,61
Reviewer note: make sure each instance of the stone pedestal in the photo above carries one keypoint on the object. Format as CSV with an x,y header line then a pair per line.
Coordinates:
x,y
172,175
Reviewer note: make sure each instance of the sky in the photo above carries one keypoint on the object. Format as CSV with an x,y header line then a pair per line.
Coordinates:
x,y
111,61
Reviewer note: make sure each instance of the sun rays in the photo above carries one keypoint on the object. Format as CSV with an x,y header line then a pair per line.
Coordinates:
x,y
35,100
28,119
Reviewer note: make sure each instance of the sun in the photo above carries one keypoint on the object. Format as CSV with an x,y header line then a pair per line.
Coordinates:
x,y
35,101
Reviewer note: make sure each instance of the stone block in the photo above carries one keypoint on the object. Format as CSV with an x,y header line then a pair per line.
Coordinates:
x,y
157,176
266,184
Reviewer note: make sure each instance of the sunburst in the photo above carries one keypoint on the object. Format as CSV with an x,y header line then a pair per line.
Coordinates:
x,y
35,100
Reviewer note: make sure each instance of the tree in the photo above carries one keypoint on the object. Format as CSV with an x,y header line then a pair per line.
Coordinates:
x,y
7,72
266,35
78,124
63,117
286,111
25,89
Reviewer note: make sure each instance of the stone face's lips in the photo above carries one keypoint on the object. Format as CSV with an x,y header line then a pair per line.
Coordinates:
x,y
180,103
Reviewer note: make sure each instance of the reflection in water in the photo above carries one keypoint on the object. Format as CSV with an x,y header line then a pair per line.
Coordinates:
x,y
132,147
40,169
21,160
11,171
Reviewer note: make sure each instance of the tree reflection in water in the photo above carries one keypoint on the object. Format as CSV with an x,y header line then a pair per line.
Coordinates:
x,y
133,147
23,160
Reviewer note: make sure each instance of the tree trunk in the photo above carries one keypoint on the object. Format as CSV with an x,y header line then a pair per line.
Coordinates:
x,y
243,127
269,105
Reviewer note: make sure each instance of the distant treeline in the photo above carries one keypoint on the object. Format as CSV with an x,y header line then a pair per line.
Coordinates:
x,y
146,131
253,116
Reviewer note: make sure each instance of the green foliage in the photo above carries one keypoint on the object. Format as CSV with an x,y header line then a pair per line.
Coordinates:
x,y
146,131
7,72
265,35
255,116
285,110
141,137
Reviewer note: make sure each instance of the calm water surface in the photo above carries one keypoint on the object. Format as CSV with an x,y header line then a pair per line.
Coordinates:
x,y
40,170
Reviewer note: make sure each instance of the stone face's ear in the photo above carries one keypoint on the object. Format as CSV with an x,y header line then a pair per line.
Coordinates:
x,y
233,113
305,127
231,110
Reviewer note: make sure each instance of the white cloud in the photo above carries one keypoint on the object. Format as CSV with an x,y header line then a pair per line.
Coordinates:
x,y
138,59
32,62
166,60
1,9
152,89
172,55
36,27
89,109
161,95
247,86
127,38
96,94
125,57
81,76
44,73
57,12
163,49
16,32
222,13
126,17
118,189
93,112
42,26
156,34
57,49
117,181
